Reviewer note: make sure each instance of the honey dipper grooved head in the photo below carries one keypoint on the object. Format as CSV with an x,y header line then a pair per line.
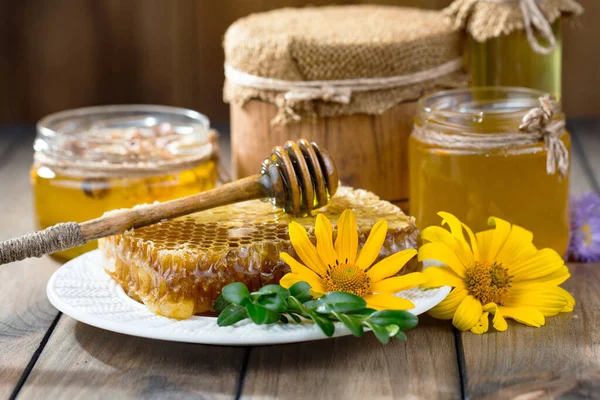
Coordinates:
x,y
301,176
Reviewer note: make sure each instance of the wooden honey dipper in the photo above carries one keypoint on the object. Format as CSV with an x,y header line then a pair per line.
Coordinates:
x,y
297,177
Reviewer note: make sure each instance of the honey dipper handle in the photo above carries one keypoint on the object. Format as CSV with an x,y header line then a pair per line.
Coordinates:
x,y
55,238
64,236
115,222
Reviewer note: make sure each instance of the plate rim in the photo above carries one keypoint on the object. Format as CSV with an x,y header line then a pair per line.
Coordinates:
x,y
158,334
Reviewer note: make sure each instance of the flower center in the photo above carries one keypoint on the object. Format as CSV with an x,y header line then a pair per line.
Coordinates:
x,y
347,278
587,234
488,282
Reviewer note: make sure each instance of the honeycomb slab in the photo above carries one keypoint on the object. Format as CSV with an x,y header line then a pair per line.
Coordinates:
x,y
177,268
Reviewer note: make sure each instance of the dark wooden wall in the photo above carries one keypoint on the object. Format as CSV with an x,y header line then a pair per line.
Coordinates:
x,y
58,54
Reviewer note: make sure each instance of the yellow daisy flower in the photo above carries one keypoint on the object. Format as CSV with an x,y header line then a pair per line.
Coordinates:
x,y
498,271
341,268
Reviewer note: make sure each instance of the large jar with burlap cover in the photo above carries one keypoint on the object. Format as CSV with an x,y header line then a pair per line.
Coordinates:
x,y
346,77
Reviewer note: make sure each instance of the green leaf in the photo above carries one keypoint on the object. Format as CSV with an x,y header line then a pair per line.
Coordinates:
x,y
295,318
351,322
220,304
273,289
340,302
231,315
403,319
273,302
261,315
392,330
295,305
400,335
380,332
311,304
301,291
236,293
325,324
364,313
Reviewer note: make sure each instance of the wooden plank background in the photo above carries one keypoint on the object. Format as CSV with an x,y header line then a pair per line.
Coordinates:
x,y
59,54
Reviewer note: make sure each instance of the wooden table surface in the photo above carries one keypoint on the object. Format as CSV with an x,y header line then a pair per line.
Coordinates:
x,y
44,354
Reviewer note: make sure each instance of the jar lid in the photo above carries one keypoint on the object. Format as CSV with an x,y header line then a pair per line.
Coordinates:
x,y
351,44
124,140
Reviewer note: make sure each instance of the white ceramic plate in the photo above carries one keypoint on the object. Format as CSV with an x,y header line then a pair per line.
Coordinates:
x,y
82,290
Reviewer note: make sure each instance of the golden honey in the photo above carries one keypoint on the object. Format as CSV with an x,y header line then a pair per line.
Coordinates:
x,y
509,60
178,267
510,183
94,160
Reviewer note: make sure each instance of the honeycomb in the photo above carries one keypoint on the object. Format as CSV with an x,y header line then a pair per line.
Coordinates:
x,y
178,267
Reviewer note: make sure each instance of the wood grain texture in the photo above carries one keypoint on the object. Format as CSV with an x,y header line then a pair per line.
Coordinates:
x,y
370,151
25,313
83,362
424,367
561,357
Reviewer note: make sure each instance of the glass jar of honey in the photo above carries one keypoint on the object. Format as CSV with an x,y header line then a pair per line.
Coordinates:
x,y
509,60
470,155
91,160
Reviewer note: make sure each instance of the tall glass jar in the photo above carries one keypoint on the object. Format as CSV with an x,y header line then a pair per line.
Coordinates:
x,y
509,60
508,181
91,160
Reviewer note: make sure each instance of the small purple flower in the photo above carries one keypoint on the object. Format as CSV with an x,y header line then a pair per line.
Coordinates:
x,y
585,228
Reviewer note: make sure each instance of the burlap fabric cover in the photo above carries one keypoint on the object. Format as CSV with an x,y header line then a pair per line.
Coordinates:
x,y
487,19
341,42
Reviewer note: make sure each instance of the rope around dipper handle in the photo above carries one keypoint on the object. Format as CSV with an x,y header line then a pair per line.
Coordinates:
x,y
55,238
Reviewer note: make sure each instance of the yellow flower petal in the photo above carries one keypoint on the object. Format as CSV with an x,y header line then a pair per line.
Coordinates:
x,y
498,322
298,268
289,279
324,235
387,302
570,299
518,247
305,249
447,308
467,314
437,234
398,283
473,241
390,265
443,254
484,242
548,301
525,315
455,226
544,262
441,276
346,243
483,324
499,238
372,246
554,279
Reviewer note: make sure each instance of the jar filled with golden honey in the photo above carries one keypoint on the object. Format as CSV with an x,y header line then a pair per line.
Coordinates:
x,y
91,160
514,42
498,151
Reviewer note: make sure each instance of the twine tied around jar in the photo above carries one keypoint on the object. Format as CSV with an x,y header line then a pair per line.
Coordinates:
x,y
533,18
486,19
335,91
536,126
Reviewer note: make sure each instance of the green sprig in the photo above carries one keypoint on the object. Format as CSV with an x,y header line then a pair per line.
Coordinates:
x,y
273,303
